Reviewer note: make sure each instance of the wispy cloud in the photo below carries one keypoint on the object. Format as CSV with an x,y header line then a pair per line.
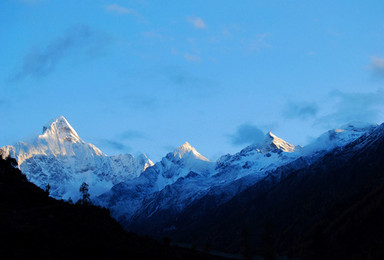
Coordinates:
x,y
258,43
116,145
247,134
301,110
131,135
118,9
183,78
142,102
191,57
154,35
197,22
43,61
348,107
377,65
183,82
118,142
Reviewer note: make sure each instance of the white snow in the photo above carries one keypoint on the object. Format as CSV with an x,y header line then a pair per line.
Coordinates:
x,y
185,175
186,151
338,137
60,158
273,142
129,185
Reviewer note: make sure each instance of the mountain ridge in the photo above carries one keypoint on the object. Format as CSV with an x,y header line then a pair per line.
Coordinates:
x,y
184,186
61,159
302,207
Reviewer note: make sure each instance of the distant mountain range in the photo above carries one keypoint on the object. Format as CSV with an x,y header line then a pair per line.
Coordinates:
x,y
274,189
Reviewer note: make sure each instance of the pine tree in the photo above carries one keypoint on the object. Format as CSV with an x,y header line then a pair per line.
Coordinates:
x,y
85,200
47,189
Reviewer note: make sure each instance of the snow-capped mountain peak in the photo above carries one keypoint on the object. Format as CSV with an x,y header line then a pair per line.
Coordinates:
x,y
186,150
339,137
61,129
272,142
60,158
59,138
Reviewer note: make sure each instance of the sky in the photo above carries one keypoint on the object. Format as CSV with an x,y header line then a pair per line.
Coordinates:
x,y
146,76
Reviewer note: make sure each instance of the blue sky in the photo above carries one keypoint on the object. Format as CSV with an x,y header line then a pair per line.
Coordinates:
x,y
146,76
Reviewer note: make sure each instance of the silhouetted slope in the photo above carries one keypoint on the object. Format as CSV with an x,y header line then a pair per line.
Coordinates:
x,y
331,209
355,230
33,225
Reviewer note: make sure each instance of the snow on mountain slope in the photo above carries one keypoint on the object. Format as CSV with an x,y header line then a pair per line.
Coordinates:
x,y
293,196
185,175
135,189
338,137
179,163
257,162
164,205
272,142
187,152
256,158
58,138
127,197
232,175
60,158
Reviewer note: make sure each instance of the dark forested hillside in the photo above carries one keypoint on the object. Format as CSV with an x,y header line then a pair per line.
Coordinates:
x,y
35,226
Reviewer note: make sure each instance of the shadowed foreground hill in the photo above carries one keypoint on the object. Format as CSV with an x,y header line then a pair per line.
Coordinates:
x,y
33,225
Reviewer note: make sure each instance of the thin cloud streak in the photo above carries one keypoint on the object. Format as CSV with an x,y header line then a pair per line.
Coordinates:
x,y
118,9
116,145
43,61
197,22
191,57
131,135
186,82
258,43
366,107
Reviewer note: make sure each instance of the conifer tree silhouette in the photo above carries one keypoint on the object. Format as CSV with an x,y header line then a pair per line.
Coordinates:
x,y
85,197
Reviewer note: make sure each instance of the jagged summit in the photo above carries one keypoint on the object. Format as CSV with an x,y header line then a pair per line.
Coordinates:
x,y
272,142
58,139
59,157
60,128
187,150
181,150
